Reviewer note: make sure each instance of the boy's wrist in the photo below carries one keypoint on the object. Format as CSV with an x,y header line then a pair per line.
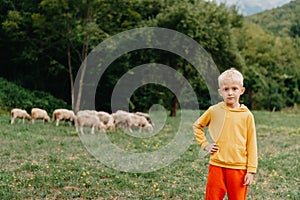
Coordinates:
x,y
204,145
251,172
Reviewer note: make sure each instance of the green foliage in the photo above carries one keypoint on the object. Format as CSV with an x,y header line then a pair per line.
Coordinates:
x,y
14,96
36,38
271,74
270,45
278,20
295,29
210,25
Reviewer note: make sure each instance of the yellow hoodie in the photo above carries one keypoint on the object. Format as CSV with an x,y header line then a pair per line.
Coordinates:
x,y
233,130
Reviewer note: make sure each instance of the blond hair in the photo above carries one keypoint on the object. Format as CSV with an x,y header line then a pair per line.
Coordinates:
x,y
231,74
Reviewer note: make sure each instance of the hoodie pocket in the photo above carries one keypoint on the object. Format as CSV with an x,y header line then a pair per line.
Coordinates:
x,y
230,154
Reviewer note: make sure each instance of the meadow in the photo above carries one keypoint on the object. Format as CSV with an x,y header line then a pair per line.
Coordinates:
x,y
42,161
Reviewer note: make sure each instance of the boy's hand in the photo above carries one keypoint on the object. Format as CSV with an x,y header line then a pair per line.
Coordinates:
x,y
248,180
212,148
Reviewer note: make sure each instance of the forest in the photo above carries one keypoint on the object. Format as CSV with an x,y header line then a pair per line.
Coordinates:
x,y
43,43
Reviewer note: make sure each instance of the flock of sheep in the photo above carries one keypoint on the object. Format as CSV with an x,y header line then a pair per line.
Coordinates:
x,y
100,120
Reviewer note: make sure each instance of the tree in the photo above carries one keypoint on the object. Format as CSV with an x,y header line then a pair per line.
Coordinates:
x,y
79,21
58,35
271,68
44,43
295,29
209,24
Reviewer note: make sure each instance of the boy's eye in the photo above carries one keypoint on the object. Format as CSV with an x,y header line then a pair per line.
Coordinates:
x,y
234,89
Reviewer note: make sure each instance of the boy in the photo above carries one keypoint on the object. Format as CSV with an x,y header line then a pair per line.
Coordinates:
x,y
233,155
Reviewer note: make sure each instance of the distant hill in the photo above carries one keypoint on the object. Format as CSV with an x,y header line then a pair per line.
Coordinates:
x,y
279,20
255,6
247,7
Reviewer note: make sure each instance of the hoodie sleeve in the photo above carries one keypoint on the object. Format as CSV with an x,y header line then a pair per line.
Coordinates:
x,y
251,145
202,122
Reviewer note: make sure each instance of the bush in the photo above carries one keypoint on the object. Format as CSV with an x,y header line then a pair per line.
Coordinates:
x,y
14,96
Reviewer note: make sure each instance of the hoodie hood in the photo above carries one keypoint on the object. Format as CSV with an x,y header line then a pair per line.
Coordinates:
x,y
242,108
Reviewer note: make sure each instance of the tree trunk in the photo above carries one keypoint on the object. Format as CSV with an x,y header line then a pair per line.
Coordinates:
x,y
84,54
174,103
71,76
82,73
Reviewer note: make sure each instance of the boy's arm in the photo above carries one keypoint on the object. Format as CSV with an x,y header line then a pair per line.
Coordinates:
x,y
251,146
199,126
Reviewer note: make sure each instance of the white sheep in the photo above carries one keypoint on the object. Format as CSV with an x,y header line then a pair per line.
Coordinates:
x,y
85,112
19,113
107,120
63,114
37,113
139,121
86,119
147,116
128,121
121,118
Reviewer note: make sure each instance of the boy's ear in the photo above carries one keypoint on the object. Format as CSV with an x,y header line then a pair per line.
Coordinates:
x,y
220,92
243,90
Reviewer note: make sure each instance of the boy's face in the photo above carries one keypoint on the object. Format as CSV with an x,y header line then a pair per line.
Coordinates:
x,y
231,91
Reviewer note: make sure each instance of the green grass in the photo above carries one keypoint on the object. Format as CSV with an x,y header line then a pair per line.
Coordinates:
x,y
42,161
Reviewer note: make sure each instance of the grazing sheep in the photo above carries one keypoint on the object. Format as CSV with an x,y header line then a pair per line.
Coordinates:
x,y
107,120
87,112
139,121
128,120
37,113
63,114
121,118
146,115
84,119
19,113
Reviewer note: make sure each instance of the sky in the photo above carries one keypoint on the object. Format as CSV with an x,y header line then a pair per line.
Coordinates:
x,y
248,7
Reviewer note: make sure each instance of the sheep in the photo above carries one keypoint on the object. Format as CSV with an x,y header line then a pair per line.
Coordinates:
x,y
63,114
121,118
107,120
84,119
85,112
147,116
139,121
37,113
19,113
128,120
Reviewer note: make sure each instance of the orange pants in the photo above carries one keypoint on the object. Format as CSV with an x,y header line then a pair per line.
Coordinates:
x,y
221,180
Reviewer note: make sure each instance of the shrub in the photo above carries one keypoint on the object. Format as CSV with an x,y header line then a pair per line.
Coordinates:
x,y
14,96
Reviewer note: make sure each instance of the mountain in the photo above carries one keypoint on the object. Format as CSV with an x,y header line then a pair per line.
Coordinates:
x,y
282,21
256,6
247,7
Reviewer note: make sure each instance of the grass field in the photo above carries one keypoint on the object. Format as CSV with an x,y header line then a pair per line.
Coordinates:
x,y
47,162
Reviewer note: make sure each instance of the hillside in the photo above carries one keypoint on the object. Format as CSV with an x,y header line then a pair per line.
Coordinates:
x,y
279,20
